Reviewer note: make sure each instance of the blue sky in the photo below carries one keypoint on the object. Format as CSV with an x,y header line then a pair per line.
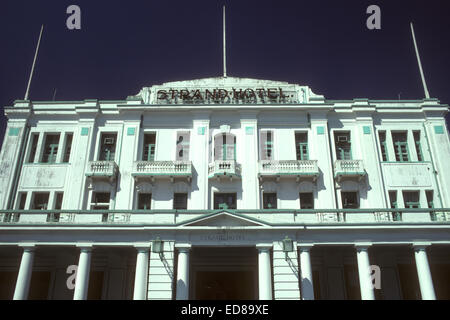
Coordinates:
x,y
125,45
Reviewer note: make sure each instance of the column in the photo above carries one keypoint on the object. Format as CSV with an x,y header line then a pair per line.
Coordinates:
x,y
306,280
140,280
365,280
24,276
264,271
82,280
423,272
183,272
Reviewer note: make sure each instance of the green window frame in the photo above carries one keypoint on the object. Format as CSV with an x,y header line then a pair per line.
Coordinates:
x,y
383,144
430,203
148,153
266,145
343,145
269,200
108,146
144,201
301,144
418,145
396,215
411,199
400,140
50,148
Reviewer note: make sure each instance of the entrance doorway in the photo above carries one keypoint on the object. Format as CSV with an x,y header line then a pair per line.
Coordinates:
x,y
224,273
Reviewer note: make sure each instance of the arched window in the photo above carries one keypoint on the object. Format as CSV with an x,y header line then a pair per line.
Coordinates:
x,y
225,146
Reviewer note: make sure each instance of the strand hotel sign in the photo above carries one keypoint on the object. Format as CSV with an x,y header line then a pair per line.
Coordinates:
x,y
229,96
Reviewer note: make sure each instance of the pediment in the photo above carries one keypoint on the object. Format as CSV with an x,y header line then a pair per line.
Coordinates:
x,y
224,219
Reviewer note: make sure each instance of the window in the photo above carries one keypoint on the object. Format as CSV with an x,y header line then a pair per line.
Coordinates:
x,y
183,146
34,142
50,148
108,146
266,145
411,199
22,201
180,201
149,147
430,203
429,194
416,135
225,147
40,201
306,200
58,200
20,205
301,145
144,201
225,201
100,200
396,216
400,146
269,200
350,200
68,147
54,217
343,145
384,152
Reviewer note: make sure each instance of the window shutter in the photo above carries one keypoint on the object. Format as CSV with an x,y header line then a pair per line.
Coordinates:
x,y
183,146
262,145
230,141
266,145
218,142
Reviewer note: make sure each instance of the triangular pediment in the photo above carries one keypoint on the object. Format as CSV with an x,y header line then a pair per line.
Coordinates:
x,y
224,219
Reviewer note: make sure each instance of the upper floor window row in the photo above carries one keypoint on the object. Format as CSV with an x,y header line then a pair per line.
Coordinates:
x,y
401,147
46,147
266,145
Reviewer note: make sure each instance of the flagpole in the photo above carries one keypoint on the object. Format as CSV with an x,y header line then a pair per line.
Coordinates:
x,y
224,47
34,62
427,94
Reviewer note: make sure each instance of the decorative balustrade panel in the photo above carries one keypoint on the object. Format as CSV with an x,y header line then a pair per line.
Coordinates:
x,y
294,167
229,167
330,217
102,168
349,166
163,167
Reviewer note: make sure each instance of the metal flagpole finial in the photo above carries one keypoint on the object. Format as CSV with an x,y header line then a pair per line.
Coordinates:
x,y
224,46
34,62
427,94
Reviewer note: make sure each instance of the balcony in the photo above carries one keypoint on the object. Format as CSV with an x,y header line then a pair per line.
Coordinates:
x,y
283,217
349,169
224,168
289,168
102,170
162,169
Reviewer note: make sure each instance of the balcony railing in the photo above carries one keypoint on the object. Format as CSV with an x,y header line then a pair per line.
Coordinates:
x,y
224,168
108,169
274,217
349,169
292,168
155,169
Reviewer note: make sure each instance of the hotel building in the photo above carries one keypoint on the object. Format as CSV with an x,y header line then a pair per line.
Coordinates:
x,y
225,188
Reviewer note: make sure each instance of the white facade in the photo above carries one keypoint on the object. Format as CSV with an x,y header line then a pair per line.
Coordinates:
x,y
94,183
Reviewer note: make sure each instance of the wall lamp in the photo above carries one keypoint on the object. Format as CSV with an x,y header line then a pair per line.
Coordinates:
x,y
158,246
288,246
